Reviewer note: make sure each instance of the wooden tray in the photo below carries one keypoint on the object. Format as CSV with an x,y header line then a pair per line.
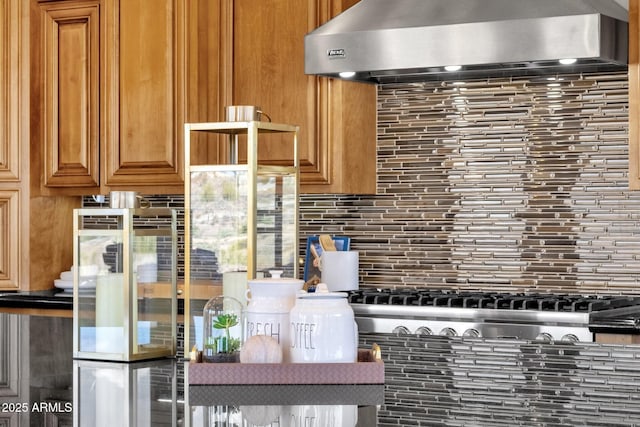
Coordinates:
x,y
366,371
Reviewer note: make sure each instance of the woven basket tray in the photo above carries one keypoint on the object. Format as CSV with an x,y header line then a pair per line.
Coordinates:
x,y
365,371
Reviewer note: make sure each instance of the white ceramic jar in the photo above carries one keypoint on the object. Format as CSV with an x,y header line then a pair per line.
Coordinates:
x,y
323,329
269,302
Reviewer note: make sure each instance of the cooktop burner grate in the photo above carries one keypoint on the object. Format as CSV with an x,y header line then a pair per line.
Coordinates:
x,y
491,300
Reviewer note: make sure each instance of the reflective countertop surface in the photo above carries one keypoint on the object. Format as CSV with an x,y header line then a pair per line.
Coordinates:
x,y
46,386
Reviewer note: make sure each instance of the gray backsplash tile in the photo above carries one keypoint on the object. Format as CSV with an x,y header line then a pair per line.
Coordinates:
x,y
507,184
457,381
513,184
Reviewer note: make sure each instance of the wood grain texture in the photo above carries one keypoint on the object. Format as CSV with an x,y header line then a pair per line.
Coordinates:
x,y
70,111
634,94
50,249
14,139
337,119
10,54
150,81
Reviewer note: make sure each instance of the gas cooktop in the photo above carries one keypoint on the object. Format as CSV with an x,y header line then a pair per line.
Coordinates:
x,y
484,314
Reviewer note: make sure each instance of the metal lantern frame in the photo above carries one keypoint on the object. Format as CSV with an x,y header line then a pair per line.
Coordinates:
x,y
252,167
124,228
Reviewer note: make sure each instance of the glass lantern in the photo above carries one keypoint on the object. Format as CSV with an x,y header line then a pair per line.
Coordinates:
x,y
222,321
124,284
241,216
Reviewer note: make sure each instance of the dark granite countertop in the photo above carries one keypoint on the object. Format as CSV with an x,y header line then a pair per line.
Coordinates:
x,y
627,323
48,299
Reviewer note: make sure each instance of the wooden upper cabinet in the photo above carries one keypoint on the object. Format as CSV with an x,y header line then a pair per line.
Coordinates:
x,y
69,79
145,123
634,94
10,51
337,119
110,85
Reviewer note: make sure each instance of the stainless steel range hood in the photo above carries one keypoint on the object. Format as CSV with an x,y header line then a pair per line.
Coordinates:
x,y
385,41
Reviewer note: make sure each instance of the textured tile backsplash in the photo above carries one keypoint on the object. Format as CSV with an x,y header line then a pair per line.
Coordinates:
x,y
458,381
505,184
514,184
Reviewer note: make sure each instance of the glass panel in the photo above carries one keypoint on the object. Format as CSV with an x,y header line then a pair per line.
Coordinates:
x,y
218,223
100,294
276,224
218,218
152,289
219,234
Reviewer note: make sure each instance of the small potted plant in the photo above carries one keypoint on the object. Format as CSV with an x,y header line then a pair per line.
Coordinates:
x,y
222,332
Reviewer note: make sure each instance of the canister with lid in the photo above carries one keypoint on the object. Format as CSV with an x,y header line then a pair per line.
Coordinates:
x,y
323,328
269,302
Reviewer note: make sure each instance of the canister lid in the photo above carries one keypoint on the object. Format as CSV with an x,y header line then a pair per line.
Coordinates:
x,y
322,292
276,279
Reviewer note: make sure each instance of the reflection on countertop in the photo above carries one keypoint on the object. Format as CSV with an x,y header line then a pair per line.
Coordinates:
x,y
44,385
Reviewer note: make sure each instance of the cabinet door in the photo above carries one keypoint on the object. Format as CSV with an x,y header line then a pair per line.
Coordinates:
x,y
10,242
13,137
66,73
146,94
10,84
337,119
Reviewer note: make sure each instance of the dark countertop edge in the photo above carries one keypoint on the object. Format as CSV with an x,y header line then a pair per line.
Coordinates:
x,y
61,300
614,330
627,328
47,299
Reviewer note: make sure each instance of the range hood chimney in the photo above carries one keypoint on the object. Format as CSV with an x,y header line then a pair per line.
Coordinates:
x,y
389,41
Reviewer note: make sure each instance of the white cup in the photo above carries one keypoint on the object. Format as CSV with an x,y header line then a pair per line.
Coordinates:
x,y
339,270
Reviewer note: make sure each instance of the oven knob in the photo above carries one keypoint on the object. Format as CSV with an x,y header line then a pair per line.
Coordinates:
x,y
569,338
544,337
401,330
448,332
423,330
473,333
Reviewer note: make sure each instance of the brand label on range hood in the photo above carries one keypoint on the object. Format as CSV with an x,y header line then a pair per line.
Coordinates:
x,y
336,53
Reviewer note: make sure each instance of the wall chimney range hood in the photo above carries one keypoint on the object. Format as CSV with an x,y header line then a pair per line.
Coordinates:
x,y
390,41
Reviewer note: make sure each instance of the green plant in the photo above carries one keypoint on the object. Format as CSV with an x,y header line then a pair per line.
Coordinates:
x,y
226,344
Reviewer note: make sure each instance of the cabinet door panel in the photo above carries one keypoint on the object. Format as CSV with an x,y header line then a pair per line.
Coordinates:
x,y
10,246
71,101
268,70
151,40
337,119
9,90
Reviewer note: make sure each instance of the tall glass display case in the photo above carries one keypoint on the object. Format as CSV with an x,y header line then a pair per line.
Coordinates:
x,y
124,291
241,216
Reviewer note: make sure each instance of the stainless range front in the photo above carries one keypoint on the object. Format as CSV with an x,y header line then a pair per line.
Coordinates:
x,y
478,314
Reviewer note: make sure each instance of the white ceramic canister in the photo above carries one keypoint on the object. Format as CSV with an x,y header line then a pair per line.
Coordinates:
x,y
323,329
269,302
